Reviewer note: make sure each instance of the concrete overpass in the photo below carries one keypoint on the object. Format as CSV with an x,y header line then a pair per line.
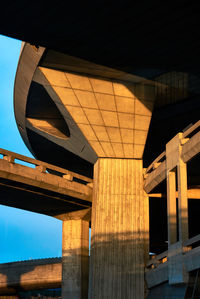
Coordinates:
x,y
30,275
39,187
47,273
36,186
171,268
140,38
163,268
107,94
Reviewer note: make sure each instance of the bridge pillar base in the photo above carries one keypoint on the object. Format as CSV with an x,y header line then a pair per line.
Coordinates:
x,y
119,230
75,255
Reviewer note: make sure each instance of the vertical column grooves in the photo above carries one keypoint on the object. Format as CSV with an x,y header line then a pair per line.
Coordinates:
x,y
75,249
118,230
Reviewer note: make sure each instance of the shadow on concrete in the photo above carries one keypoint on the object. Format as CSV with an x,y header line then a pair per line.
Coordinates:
x,y
16,277
117,265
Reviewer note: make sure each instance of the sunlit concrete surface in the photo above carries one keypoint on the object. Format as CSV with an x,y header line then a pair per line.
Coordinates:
x,y
102,91
39,187
30,275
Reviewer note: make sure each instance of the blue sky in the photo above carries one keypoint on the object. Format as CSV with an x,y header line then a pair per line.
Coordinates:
x,y
23,235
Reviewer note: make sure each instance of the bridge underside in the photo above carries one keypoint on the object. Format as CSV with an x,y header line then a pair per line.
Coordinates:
x,y
85,96
45,121
40,187
38,200
151,40
88,114
141,38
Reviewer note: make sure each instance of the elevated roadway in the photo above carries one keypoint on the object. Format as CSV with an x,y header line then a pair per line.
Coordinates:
x,y
157,269
47,273
104,87
30,275
39,187
156,173
175,271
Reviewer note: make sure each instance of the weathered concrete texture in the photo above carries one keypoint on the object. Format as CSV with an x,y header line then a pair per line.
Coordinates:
x,y
38,178
41,187
30,275
75,258
119,229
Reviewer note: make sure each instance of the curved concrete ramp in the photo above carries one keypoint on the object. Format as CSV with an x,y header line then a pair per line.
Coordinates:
x,y
36,186
156,172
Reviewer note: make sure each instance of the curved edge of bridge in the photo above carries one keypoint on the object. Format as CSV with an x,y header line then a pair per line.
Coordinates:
x,y
156,172
48,181
157,268
175,268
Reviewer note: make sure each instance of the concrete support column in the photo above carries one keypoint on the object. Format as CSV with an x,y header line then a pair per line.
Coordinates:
x,y
171,207
182,200
176,171
75,255
174,163
119,230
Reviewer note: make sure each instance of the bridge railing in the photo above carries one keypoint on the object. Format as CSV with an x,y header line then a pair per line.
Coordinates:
x,y
192,130
155,173
192,242
43,167
156,260
161,258
171,165
160,268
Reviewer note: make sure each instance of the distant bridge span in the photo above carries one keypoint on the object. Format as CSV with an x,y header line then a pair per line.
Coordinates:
x,y
47,273
30,275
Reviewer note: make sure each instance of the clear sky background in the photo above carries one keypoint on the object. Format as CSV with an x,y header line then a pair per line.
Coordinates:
x,y
23,235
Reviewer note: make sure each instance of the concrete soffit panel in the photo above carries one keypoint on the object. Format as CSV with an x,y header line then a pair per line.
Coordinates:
x,y
101,112
112,115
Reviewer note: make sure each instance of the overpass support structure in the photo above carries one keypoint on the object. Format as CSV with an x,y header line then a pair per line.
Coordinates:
x,y
177,212
107,113
119,229
75,254
170,271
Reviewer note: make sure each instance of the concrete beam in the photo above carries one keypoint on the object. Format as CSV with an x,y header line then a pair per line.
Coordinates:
x,y
191,148
191,193
156,177
37,178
